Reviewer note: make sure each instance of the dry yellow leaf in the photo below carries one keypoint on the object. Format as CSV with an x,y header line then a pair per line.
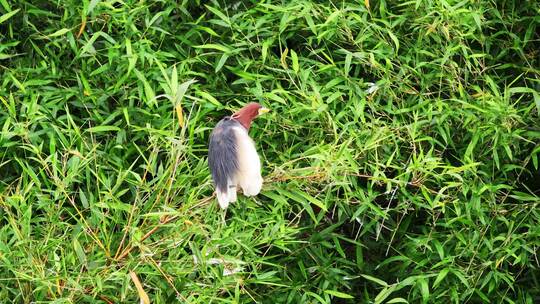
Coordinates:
x,y
284,58
498,262
180,115
142,294
81,29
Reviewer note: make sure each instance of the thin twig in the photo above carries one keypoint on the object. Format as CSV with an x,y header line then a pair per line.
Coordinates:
x,y
130,219
163,221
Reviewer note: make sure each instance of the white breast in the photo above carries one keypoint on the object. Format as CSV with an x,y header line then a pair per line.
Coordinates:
x,y
248,176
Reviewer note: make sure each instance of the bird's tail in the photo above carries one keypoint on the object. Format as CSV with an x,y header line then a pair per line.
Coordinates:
x,y
226,196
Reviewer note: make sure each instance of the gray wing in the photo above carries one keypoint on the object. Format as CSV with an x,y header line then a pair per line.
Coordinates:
x,y
223,153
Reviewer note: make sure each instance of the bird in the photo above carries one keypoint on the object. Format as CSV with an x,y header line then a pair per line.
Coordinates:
x,y
232,156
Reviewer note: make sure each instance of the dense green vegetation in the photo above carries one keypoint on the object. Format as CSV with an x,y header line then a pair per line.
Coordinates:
x,y
401,156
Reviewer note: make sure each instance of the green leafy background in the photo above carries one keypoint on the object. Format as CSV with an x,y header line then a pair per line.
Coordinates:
x,y
400,157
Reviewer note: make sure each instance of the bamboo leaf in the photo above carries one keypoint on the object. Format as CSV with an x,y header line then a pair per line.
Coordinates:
x,y
294,58
100,129
8,15
338,294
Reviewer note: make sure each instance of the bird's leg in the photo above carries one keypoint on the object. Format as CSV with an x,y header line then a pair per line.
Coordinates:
x,y
232,193
223,215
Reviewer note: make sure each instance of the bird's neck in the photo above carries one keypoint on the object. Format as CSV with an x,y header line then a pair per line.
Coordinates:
x,y
245,122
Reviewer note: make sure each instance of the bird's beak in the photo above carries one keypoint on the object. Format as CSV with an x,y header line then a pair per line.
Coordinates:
x,y
263,110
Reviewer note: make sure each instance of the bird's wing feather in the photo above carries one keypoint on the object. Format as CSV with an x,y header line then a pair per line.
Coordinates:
x,y
223,154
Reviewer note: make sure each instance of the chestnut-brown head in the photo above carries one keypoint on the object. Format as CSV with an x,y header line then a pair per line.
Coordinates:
x,y
249,112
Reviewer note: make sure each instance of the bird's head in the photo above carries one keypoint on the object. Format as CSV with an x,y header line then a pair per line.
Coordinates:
x,y
249,112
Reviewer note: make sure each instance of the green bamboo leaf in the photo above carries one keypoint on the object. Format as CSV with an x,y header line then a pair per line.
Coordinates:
x,y
89,45
221,62
214,46
348,59
338,294
100,129
294,58
316,296
442,274
384,293
6,16
264,51
173,82
59,32
524,197
148,91
397,300
424,289
525,90
91,6
5,5
7,56
218,13
210,98
79,251
375,280
182,89
394,39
